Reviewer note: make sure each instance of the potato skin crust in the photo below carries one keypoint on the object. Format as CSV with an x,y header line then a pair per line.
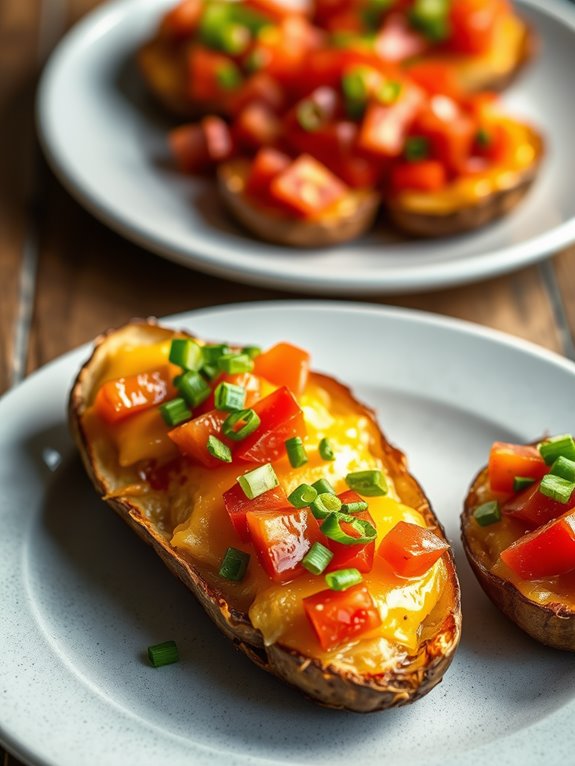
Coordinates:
x,y
410,677
551,624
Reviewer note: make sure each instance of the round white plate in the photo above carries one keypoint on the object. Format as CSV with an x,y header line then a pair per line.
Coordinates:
x,y
106,142
81,597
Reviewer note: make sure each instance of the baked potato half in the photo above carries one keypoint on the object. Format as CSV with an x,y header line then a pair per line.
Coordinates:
x,y
160,515
543,607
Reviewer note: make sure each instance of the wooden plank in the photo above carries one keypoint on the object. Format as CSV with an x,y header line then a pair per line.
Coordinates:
x,y
564,265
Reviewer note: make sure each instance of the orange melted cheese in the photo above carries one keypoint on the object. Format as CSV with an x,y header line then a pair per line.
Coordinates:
x,y
198,525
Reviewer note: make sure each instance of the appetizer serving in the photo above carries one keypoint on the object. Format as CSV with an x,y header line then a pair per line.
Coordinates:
x,y
271,493
518,529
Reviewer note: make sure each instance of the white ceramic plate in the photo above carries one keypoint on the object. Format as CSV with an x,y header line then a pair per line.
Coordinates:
x,y
81,597
107,144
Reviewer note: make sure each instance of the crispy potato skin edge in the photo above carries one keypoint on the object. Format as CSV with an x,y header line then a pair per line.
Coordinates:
x,y
550,624
410,679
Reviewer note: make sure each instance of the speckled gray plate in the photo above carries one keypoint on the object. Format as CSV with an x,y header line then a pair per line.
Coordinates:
x,y
81,597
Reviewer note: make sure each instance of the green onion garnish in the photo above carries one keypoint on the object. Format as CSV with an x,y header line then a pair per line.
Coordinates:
x,y
325,504
343,579
303,496
229,397
234,39
326,450
218,449
228,76
309,115
483,138
431,17
522,482
215,17
373,12
416,148
389,92
557,446
163,654
369,483
356,507
234,564
332,529
255,61
355,88
556,488
564,467
252,351
175,412
261,479
296,452
240,424
210,371
212,353
193,388
323,485
317,558
234,363
487,514
186,353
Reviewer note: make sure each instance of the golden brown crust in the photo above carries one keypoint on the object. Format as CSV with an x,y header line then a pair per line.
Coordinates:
x,y
408,680
353,217
550,624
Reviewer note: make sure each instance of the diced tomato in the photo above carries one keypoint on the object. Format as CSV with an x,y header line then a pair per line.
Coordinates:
x,y
338,616
191,438
385,128
307,187
436,78
506,461
449,130
360,556
281,539
425,176
411,550
237,505
189,149
204,68
260,88
256,126
533,507
348,20
499,143
281,418
181,22
251,383
267,164
277,9
117,399
546,552
219,141
285,365
397,40
324,10
473,24
285,47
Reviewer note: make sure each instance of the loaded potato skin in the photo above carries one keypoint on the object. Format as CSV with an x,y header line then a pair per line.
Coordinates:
x,y
330,674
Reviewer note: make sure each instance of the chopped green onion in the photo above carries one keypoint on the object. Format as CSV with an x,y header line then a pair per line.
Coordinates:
x,y
255,61
303,496
522,482
431,17
193,388
251,19
416,148
219,450
234,39
251,351
229,397
356,507
211,354
163,654
323,485
343,579
564,467
234,564
373,12
175,412
296,452
317,558
326,450
240,424
332,529
369,483
215,16
234,363
210,371
186,353
310,115
556,488
389,92
325,504
261,479
483,138
557,446
228,76
355,88
487,513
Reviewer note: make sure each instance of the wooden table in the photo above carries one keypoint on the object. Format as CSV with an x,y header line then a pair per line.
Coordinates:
x,y
64,276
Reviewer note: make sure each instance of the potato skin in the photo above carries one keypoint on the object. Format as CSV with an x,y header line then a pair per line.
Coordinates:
x,y
550,624
358,212
408,679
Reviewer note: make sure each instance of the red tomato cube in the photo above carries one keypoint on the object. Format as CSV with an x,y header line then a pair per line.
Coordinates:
x,y
411,550
339,616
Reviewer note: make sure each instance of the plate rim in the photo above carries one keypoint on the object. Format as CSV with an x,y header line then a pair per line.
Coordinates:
x,y
211,257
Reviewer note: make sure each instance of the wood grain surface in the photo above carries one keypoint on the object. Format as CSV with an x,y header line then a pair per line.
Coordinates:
x,y
64,277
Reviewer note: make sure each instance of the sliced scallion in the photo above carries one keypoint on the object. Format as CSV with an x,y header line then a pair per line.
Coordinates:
x,y
212,353
235,363
556,488
389,92
309,115
218,449
302,496
165,653
317,558
487,513
193,388
261,479
416,148
240,424
564,467
370,483
522,482
234,564
357,507
324,504
228,76
557,446
186,353
323,485
175,412
326,450
229,397
343,579
331,528
251,351
296,452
